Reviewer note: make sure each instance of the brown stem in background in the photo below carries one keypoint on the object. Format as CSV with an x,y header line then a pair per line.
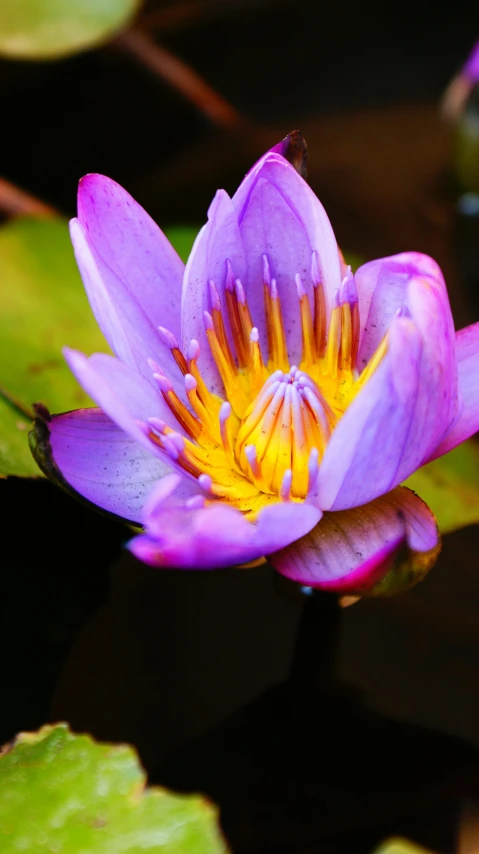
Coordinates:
x,y
181,14
180,77
17,404
17,202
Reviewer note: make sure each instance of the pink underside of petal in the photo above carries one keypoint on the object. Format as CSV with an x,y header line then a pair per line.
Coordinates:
x,y
467,423
354,549
363,578
102,463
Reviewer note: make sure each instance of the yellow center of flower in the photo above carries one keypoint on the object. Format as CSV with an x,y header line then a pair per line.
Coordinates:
x,y
264,442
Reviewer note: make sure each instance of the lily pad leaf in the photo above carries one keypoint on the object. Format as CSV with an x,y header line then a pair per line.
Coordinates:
x,y
450,486
15,458
44,308
182,238
47,29
68,793
400,846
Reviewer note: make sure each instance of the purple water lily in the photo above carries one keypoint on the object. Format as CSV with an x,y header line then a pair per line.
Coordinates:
x,y
264,401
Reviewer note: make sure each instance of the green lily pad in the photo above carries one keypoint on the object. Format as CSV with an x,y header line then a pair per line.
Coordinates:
x,y
450,486
182,238
47,29
67,793
44,307
15,457
400,846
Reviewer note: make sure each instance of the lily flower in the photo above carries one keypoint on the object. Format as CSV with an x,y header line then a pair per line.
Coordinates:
x,y
264,401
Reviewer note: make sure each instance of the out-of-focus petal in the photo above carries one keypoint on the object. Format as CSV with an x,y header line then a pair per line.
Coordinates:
x,y
382,547
280,216
396,420
470,68
121,393
217,536
133,248
86,452
218,241
467,423
126,325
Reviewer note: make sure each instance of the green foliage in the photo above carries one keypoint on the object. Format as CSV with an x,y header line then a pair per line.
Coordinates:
x,y
15,457
450,486
44,307
61,792
182,238
399,846
47,29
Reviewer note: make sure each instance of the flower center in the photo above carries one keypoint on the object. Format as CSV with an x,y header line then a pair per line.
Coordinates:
x,y
287,420
265,441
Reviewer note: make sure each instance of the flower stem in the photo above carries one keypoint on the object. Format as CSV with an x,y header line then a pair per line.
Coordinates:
x,y
314,659
16,404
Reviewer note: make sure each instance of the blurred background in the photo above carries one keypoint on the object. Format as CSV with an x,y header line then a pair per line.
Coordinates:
x,y
180,104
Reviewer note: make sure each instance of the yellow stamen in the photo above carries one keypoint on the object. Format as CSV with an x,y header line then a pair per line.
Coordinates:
x,y
243,311
219,326
332,349
346,337
207,419
309,345
189,423
242,351
319,308
355,331
203,391
279,353
373,363
234,392
256,365
226,433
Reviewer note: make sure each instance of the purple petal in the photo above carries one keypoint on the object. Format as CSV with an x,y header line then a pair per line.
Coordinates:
x,y
384,286
102,463
126,325
218,536
217,241
120,392
280,216
467,423
470,68
397,419
133,248
351,551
